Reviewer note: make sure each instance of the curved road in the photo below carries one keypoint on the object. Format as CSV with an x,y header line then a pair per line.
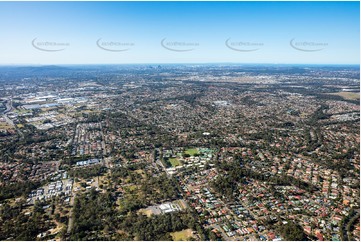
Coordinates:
x,y
9,108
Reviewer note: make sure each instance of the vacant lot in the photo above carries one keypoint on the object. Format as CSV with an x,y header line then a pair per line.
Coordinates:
x,y
182,235
174,161
182,204
147,212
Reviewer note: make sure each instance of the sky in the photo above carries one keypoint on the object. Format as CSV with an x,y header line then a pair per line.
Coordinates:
x,y
179,32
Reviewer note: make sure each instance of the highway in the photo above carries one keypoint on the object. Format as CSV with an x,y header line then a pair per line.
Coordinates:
x,y
9,108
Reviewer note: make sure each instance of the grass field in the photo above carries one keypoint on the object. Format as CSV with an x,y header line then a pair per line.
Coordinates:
x,y
175,162
191,152
181,235
348,95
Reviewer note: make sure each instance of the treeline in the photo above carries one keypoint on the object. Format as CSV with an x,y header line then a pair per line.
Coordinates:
x,y
150,191
268,136
157,227
319,114
88,172
347,224
315,142
341,163
17,189
126,173
120,174
228,184
92,213
118,121
17,226
292,232
73,160
96,217
336,98
159,189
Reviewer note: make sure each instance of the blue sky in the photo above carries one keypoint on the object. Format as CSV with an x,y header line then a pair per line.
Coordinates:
x,y
322,32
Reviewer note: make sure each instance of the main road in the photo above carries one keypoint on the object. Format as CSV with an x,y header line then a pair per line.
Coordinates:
x,y
9,108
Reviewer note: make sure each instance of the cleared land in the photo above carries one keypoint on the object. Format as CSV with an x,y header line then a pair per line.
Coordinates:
x,y
191,152
182,204
348,95
181,235
147,212
4,126
175,162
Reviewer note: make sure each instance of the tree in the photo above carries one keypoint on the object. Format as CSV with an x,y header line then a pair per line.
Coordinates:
x,y
292,232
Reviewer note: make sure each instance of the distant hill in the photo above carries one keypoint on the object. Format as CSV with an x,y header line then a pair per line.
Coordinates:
x,y
36,71
42,68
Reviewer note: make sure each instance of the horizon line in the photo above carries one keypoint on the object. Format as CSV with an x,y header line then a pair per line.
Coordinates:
x,y
177,63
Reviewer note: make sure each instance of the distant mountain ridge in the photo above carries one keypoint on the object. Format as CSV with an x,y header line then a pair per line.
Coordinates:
x,y
31,71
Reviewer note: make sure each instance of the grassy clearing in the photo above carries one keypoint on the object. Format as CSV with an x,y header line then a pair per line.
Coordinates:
x,y
191,152
181,204
174,161
348,95
181,235
147,212
131,188
5,127
103,180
